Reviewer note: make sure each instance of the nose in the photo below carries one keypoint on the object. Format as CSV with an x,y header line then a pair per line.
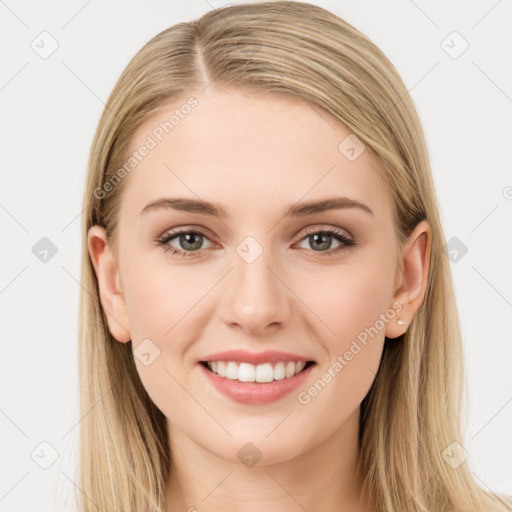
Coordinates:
x,y
256,298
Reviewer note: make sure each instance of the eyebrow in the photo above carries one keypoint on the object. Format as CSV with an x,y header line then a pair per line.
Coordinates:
x,y
297,210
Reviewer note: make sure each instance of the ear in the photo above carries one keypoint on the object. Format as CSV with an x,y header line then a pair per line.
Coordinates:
x,y
411,278
109,284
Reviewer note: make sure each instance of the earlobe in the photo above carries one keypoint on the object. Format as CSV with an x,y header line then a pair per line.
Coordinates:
x,y
414,278
109,284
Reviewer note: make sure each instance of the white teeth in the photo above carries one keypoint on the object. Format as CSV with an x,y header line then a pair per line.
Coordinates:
x,y
279,371
264,373
246,372
232,370
221,368
300,366
290,370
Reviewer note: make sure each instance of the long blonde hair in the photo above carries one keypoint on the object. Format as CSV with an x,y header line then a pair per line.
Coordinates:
x,y
412,413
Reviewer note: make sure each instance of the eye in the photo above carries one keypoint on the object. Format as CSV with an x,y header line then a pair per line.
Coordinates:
x,y
189,242
320,239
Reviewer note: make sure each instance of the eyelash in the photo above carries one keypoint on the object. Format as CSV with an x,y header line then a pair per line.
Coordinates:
x,y
164,240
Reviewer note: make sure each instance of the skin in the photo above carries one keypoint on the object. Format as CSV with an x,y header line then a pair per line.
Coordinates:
x,y
256,154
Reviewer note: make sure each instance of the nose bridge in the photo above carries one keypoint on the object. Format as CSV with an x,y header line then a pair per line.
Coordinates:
x,y
256,297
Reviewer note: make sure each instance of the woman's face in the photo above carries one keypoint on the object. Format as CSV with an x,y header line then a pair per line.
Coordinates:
x,y
256,279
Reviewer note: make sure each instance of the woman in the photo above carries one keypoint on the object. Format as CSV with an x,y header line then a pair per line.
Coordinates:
x,y
268,315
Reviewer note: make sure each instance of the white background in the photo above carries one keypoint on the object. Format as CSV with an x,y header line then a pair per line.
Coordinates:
x,y
49,111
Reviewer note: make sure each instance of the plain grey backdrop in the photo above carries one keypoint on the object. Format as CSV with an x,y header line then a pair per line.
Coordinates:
x,y
59,62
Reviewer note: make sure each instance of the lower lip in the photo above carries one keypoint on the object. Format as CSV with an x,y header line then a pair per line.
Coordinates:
x,y
256,392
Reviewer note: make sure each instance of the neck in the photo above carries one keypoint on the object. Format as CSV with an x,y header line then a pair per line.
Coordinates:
x,y
323,478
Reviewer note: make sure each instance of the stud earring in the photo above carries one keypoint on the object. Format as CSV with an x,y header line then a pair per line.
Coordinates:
x,y
400,322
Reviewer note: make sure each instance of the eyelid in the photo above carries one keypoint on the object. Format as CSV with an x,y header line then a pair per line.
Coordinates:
x,y
172,232
327,227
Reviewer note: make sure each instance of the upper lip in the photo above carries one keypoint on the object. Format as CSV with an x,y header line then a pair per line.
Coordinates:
x,y
244,356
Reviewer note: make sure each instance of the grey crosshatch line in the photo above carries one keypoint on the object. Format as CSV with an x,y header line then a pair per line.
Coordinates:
x,y
217,486
82,81
280,423
14,218
410,90
81,490
424,14
484,483
13,279
75,15
492,211
503,407
14,423
287,492
418,493
437,26
80,420
15,485
14,76
2,2
492,81
72,220
492,286
485,15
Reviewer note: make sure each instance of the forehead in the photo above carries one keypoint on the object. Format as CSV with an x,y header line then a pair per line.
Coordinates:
x,y
251,149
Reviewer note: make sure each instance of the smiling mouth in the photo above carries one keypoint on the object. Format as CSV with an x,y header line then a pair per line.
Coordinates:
x,y
261,373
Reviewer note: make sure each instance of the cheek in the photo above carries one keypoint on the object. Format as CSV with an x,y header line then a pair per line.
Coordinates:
x,y
159,295
353,307
350,315
160,304
347,300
